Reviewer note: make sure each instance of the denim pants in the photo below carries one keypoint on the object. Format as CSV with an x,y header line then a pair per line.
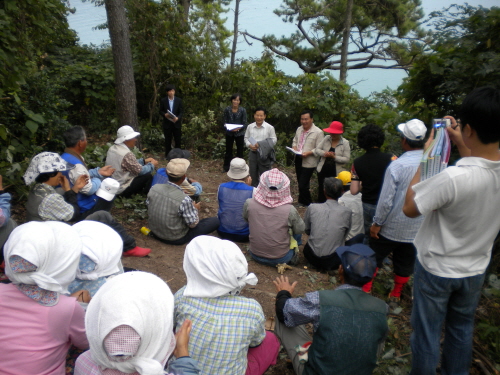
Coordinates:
x,y
368,214
439,300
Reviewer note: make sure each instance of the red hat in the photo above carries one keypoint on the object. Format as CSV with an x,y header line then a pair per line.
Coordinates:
x,y
336,127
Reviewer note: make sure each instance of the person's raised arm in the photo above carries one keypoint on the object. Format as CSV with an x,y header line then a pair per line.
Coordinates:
x,y
410,208
455,133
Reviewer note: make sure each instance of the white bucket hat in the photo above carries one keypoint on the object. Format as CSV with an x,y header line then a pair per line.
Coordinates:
x,y
414,130
125,133
238,169
107,190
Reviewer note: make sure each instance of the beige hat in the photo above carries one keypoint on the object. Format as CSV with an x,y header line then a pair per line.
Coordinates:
x,y
107,190
238,169
177,167
125,133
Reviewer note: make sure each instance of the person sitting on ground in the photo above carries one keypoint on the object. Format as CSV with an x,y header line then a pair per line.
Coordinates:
x,y
130,329
327,225
76,143
189,186
134,175
228,334
38,323
350,325
172,215
7,225
46,204
356,205
271,216
100,258
232,196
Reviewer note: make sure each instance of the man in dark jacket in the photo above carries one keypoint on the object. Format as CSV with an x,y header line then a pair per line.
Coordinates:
x,y
171,112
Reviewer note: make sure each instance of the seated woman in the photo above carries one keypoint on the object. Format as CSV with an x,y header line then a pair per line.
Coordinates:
x,y
130,329
232,196
38,323
228,330
100,258
271,217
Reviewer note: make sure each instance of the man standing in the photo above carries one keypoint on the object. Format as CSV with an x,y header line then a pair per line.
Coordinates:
x,y
261,155
76,143
391,231
307,137
173,216
171,112
454,243
134,175
350,326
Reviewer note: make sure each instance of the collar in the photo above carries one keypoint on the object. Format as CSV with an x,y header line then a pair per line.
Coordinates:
x,y
70,151
177,186
478,162
42,296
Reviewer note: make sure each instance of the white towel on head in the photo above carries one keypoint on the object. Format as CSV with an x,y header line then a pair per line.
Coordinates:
x,y
139,300
103,246
215,268
52,246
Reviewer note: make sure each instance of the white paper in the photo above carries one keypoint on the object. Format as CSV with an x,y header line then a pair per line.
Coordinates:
x,y
171,114
233,126
294,151
252,141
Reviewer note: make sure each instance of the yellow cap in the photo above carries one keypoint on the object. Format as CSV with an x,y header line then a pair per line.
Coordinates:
x,y
345,177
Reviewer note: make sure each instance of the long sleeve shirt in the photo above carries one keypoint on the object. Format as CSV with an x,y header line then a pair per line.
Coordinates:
x,y
260,133
4,208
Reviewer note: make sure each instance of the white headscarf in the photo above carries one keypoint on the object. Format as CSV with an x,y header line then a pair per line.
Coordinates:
x,y
139,300
215,268
103,246
52,246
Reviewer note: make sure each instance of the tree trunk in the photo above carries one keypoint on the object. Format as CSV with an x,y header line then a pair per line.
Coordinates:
x,y
345,41
235,32
186,4
126,100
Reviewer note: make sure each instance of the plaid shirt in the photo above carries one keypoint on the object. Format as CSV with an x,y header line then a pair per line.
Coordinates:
x,y
53,206
223,330
187,209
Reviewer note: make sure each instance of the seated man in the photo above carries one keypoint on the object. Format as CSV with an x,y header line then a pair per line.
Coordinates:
x,y
356,234
232,196
271,217
76,143
46,204
228,335
327,225
173,216
134,175
350,325
7,225
189,186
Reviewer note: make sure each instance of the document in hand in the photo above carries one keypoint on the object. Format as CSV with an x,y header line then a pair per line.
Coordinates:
x,y
294,151
171,114
436,157
233,126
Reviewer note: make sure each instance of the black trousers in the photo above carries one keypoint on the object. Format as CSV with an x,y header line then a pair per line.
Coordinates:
x,y
106,218
327,263
172,130
240,146
139,185
101,205
204,227
403,254
304,180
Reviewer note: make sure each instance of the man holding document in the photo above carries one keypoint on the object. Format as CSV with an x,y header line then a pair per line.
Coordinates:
x,y
171,112
260,138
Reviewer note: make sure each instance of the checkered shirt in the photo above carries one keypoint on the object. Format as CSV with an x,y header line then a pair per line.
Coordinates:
x,y
223,330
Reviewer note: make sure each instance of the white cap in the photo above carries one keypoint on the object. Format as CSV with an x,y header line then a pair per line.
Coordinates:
x,y
414,130
125,133
107,190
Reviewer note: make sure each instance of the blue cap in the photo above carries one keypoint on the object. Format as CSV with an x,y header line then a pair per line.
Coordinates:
x,y
358,261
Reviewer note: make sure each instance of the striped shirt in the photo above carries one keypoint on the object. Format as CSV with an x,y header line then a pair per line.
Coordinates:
x,y
395,224
223,330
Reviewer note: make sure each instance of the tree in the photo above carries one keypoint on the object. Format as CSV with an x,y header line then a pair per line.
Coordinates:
x,y
235,32
465,55
126,101
381,30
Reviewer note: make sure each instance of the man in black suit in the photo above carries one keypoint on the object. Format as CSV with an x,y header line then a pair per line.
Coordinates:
x,y
172,122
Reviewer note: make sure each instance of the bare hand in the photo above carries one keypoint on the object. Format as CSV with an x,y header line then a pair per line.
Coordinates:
x,y
330,154
248,180
80,182
106,171
82,296
254,147
454,131
1,182
197,205
282,283
307,153
175,119
374,229
235,130
63,181
182,339
429,141
152,161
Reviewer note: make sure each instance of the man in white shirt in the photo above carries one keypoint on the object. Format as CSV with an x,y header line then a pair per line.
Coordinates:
x,y
454,243
260,138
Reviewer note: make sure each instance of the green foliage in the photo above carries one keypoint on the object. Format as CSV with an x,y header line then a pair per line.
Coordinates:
x,y
206,136
133,208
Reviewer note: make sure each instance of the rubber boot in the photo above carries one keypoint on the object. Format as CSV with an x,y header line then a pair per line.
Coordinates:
x,y
368,286
399,283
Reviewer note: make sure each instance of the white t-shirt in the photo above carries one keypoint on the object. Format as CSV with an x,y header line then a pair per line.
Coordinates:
x,y
462,218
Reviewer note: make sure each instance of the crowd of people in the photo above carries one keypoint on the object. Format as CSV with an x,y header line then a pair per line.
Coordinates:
x,y
67,286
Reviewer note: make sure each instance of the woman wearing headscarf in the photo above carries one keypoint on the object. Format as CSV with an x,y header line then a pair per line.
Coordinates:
x,y
129,324
100,258
38,323
271,218
228,334
334,152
